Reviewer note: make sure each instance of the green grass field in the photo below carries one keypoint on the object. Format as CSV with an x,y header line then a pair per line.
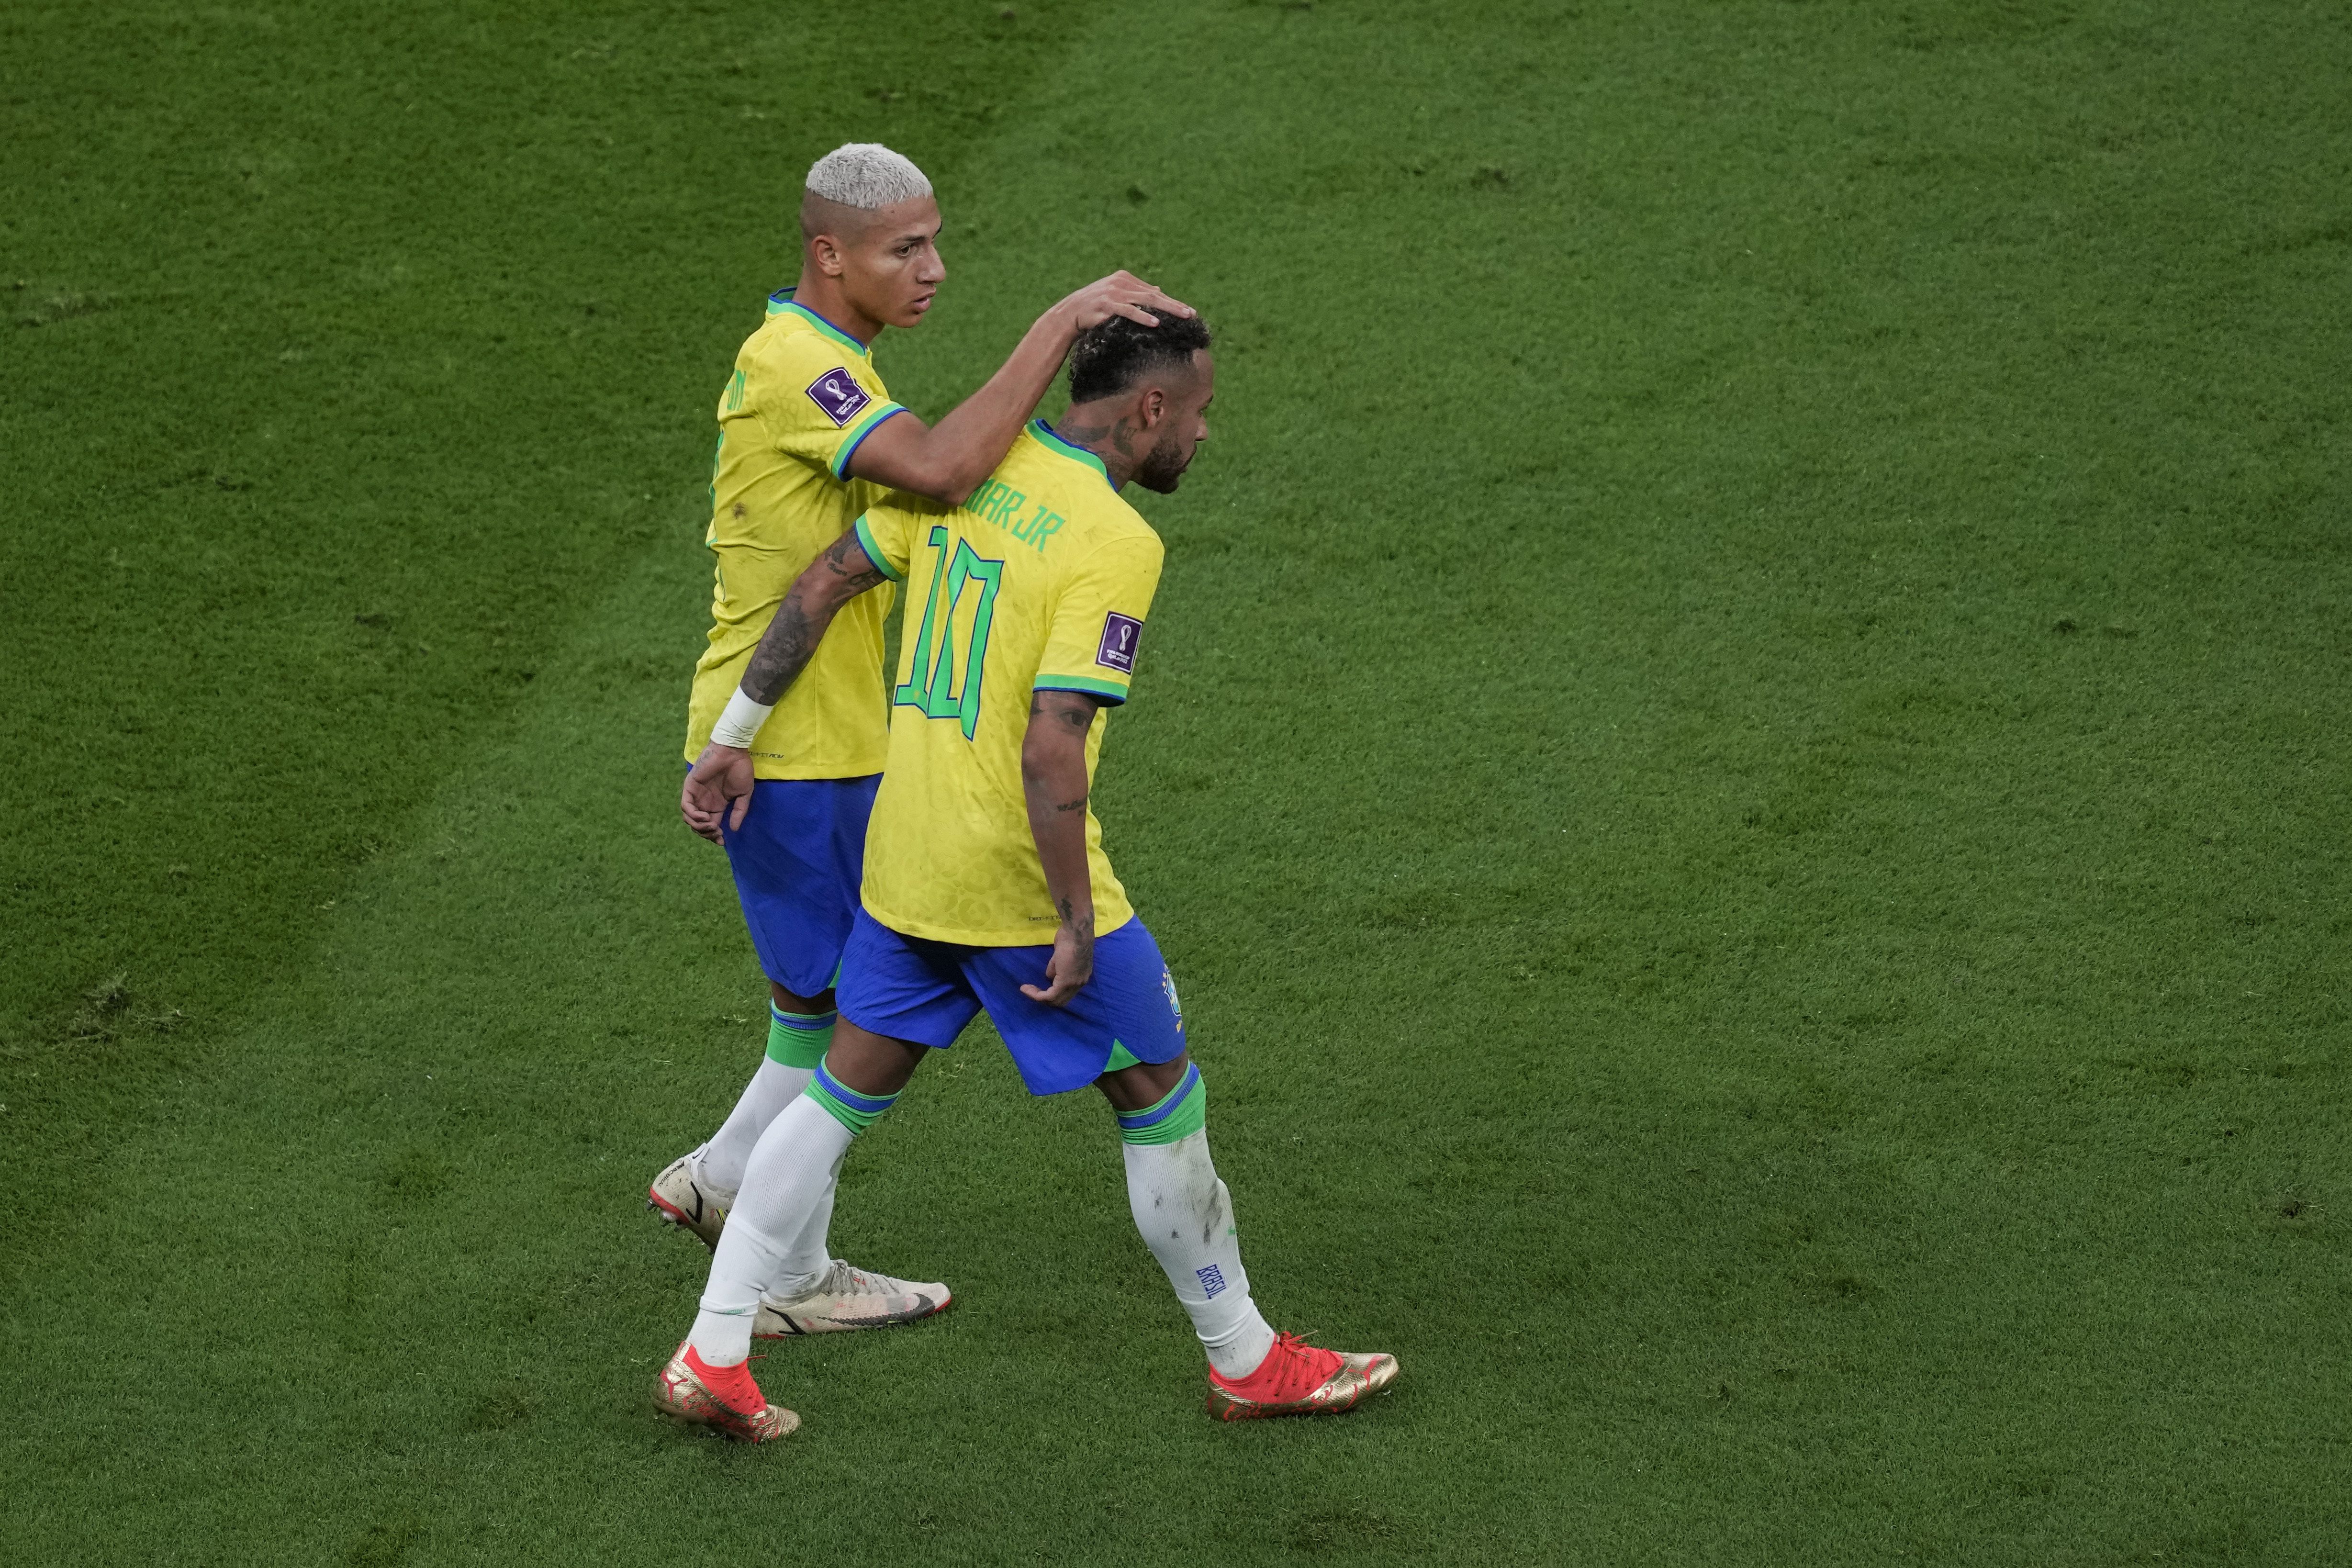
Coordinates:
x,y
1744,759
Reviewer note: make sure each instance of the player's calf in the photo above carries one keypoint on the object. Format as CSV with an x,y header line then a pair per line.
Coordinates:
x,y
1186,1216
695,1191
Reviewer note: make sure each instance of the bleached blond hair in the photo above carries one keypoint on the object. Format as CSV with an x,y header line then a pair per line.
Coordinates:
x,y
867,175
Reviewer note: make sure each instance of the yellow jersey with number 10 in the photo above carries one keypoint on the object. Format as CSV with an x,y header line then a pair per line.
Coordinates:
x,y
1040,582
803,396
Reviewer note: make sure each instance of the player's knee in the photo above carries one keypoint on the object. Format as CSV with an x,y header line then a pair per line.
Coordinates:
x,y
793,1002
869,1063
1178,1113
1139,1084
853,1109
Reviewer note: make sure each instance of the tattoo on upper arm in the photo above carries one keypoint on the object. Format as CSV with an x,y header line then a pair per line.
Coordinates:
x,y
1072,708
837,560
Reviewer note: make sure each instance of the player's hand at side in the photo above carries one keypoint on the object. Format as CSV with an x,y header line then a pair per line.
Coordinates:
x,y
720,778
1072,966
1120,294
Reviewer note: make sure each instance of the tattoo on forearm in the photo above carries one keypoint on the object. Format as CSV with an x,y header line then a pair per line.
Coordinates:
x,y
791,639
1058,768
783,652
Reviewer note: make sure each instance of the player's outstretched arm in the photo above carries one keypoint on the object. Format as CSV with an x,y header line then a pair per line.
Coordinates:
x,y
722,776
1054,780
949,460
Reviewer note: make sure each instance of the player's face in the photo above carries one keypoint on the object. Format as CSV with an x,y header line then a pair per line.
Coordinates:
x,y
893,268
1183,426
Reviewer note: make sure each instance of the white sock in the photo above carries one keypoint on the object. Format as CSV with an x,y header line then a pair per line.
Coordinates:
x,y
806,1261
1186,1219
787,1184
723,1323
722,1160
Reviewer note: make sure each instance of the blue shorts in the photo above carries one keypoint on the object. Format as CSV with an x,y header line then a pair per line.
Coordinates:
x,y
798,859
911,988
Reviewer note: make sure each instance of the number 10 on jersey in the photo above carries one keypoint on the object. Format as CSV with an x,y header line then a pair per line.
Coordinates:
x,y
931,683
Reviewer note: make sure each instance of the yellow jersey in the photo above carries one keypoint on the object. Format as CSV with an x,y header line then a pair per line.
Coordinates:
x,y
803,396
1040,580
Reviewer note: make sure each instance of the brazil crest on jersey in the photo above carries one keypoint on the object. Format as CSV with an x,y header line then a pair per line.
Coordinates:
x,y
1040,580
803,396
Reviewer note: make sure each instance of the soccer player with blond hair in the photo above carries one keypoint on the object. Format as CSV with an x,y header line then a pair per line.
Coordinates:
x,y
808,437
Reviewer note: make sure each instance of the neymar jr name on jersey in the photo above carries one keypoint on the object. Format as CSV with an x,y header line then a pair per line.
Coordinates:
x,y
1003,505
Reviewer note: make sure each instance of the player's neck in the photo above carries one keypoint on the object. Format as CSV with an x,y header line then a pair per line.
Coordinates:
x,y
1102,427
823,295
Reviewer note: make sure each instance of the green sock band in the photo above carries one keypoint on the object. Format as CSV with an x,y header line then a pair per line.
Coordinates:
x,y
798,1039
1181,1112
854,1110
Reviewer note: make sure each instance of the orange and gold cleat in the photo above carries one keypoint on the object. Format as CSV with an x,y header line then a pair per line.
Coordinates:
x,y
725,1398
1301,1379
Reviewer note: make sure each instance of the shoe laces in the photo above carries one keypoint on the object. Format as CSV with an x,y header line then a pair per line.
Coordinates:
x,y
843,1280
1299,1349
1291,1370
737,1380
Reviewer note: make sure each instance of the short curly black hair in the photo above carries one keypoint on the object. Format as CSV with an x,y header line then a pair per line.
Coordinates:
x,y
1108,358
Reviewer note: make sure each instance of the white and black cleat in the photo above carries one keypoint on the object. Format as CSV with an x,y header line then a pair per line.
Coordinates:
x,y
678,1196
844,1298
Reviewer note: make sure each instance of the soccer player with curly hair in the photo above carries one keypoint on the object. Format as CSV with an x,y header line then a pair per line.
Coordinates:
x,y
986,886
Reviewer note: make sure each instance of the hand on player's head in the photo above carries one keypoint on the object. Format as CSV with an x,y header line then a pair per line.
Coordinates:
x,y
1122,294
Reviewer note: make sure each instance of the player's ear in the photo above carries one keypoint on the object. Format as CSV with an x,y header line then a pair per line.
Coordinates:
x,y
1152,407
826,252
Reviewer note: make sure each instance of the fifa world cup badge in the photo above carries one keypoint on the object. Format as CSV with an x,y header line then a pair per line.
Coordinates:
x,y
1120,634
837,393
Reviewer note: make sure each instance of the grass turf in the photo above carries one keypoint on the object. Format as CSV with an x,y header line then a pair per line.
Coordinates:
x,y
1741,760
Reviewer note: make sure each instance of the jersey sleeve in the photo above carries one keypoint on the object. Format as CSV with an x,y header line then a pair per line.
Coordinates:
x,y
1098,620
886,531
817,401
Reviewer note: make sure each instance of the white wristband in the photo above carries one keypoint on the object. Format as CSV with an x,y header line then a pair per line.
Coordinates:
x,y
741,723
